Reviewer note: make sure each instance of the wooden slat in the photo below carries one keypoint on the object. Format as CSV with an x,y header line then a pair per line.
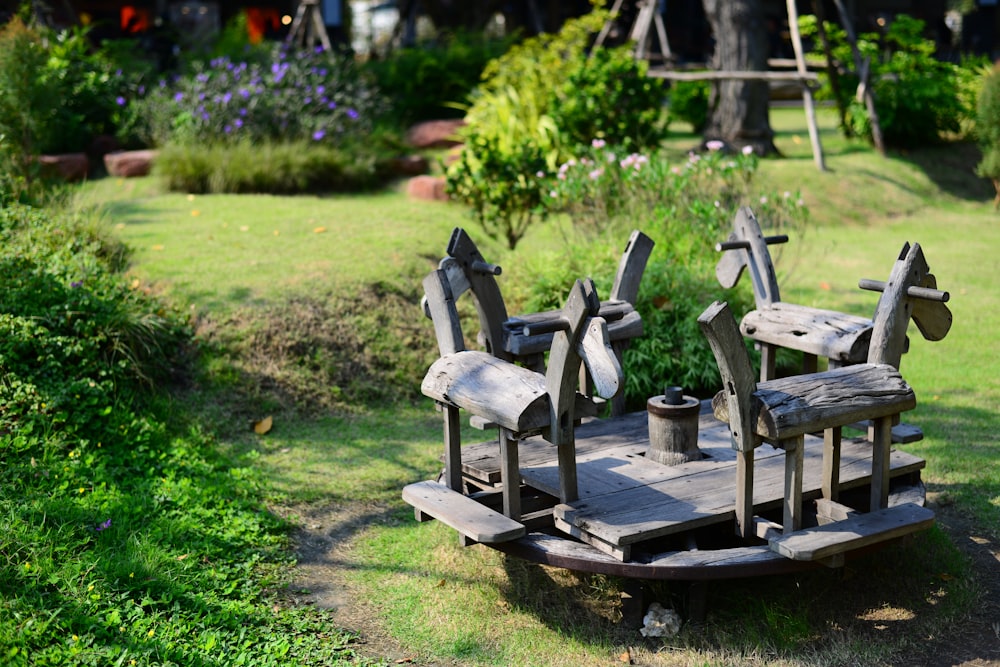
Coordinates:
x,y
824,333
675,505
856,531
462,513
631,267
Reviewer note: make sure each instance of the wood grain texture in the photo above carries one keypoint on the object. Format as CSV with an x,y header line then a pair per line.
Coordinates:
x,y
462,513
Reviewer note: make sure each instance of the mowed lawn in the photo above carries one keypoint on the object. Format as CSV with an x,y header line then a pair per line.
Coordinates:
x,y
216,253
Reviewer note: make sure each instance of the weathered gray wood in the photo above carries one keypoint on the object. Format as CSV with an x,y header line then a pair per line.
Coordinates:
x,y
462,513
809,403
561,381
510,474
624,323
831,462
852,533
489,301
673,429
631,268
824,333
440,304
744,493
828,511
881,448
604,368
511,396
792,510
452,447
733,75
738,382
698,493
765,282
892,314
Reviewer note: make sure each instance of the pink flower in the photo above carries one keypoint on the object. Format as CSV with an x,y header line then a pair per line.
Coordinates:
x,y
714,145
598,143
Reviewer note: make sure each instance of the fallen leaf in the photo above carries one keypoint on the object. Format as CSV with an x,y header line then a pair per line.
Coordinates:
x,y
157,247
626,657
195,212
824,286
319,230
440,583
244,228
944,576
263,426
183,557
190,197
404,661
276,232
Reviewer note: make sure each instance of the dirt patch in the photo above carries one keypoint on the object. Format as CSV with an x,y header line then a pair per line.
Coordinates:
x,y
324,546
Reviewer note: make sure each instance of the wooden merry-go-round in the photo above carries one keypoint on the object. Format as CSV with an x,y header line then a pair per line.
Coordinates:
x,y
772,475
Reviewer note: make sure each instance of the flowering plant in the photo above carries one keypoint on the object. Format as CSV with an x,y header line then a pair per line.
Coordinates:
x,y
603,183
313,95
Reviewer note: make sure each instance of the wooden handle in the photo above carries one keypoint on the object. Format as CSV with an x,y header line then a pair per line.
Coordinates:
x,y
486,267
546,326
745,245
927,293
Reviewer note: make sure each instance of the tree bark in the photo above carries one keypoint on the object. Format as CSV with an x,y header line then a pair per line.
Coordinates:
x,y
738,110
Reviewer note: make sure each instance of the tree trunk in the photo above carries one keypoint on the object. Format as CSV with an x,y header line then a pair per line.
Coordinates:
x,y
738,110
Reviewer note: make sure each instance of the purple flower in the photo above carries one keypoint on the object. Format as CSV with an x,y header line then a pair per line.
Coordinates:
x,y
238,122
332,105
102,526
318,135
178,97
120,101
352,114
76,283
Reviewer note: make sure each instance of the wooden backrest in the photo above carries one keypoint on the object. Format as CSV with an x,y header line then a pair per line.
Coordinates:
x,y
911,291
738,379
754,256
631,267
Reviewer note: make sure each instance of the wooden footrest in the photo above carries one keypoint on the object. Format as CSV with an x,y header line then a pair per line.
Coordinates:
x,y
856,531
467,516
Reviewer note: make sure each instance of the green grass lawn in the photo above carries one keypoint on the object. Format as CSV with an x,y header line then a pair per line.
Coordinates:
x,y
473,606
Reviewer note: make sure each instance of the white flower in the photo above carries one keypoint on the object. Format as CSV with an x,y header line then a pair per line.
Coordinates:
x,y
747,150
540,174
763,199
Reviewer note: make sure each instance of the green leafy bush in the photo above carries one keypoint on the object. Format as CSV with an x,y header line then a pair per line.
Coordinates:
x,y
988,128
916,95
689,103
686,207
433,79
277,168
538,102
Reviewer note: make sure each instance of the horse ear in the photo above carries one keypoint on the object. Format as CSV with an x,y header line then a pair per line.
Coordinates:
x,y
599,357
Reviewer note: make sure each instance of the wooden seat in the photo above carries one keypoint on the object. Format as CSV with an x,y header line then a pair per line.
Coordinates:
x,y
841,338
509,338
782,411
519,401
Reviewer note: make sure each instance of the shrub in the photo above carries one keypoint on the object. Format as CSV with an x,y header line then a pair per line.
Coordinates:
x,y
277,168
76,337
686,207
988,128
541,100
434,79
689,103
916,95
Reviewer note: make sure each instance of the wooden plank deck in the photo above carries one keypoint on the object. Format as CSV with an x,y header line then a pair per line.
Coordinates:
x,y
626,499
